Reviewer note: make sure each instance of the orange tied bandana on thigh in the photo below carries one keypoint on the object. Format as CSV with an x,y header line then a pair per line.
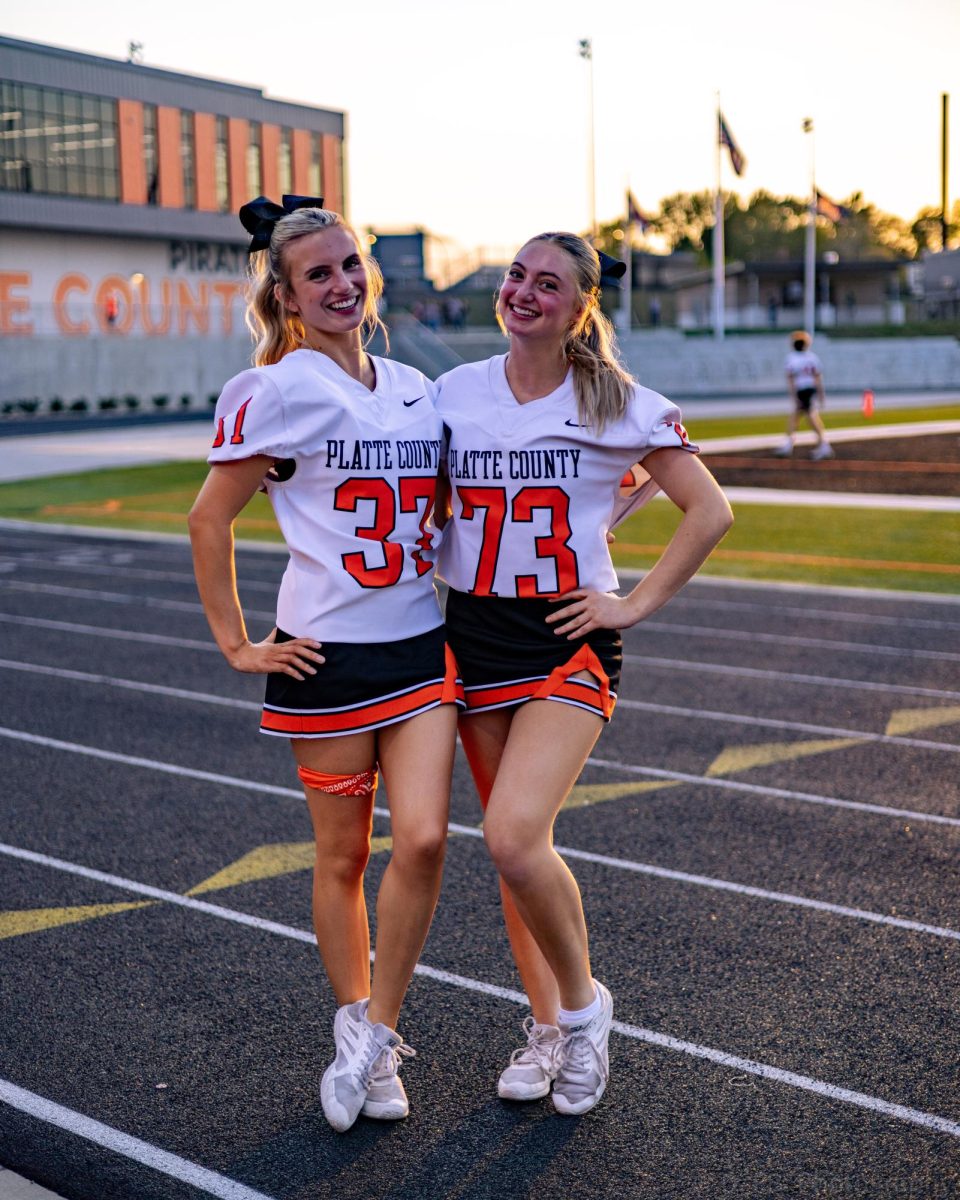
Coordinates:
x,y
364,783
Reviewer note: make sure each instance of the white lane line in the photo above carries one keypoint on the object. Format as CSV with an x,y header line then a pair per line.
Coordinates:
x,y
134,685
789,639
122,571
124,635
756,789
815,614
636,1032
706,714
712,631
738,672
52,589
123,1144
621,864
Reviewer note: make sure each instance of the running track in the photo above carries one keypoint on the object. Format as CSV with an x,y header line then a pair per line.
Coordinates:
x,y
766,841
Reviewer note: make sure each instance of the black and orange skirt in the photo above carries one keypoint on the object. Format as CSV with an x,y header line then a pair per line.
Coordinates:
x,y
363,686
508,654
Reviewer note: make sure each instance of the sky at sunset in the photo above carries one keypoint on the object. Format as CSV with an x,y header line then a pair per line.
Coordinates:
x,y
471,120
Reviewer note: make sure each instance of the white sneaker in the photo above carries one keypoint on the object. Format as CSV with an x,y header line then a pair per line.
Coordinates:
x,y
785,449
584,1062
386,1098
533,1067
343,1088
824,450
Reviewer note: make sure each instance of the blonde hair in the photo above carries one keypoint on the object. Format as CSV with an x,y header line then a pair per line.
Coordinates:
x,y
276,330
601,384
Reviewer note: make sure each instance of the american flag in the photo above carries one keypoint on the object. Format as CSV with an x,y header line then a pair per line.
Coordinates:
x,y
635,214
830,209
737,160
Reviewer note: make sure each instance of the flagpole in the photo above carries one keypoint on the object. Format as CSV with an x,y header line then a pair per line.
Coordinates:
x,y
718,264
810,242
626,300
586,52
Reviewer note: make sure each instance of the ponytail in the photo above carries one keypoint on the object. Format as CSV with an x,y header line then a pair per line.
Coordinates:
x,y
600,383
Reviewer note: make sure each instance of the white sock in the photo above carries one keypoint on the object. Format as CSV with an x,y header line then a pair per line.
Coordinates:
x,y
581,1016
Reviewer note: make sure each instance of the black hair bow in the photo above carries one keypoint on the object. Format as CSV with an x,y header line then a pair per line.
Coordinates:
x,y
260,215
612,270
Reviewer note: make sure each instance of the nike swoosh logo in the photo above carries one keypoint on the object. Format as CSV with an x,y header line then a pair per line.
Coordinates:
x,y
410,403
576,424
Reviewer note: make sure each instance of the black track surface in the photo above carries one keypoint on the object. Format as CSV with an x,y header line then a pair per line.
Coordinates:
x,y
235,1021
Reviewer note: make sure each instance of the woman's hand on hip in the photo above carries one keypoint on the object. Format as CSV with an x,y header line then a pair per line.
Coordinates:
x,y
581,611
295,657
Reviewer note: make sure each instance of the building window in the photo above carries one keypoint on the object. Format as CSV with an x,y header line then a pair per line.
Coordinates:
x,y
254,162
316,164
285,163
222,175
188,159
150,150
59,143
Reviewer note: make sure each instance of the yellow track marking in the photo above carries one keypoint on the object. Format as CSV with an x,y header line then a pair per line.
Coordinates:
x,y
267,862
909,720
33,920
597,793
743,758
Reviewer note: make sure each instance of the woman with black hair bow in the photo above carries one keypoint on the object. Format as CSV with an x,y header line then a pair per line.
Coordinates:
x,y
358,673
540,442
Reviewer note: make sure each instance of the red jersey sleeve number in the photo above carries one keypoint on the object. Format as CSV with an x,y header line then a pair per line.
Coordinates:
x,y
554,545
236,438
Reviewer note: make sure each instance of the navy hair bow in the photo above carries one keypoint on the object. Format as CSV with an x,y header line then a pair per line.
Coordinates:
x,y
612,270
260,215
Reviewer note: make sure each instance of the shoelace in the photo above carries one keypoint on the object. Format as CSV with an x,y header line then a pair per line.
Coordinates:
x,y
579,1054
543,1054
387,1062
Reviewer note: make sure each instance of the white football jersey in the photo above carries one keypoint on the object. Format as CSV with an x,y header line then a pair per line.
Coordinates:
x,y
804,367
355,511
533,491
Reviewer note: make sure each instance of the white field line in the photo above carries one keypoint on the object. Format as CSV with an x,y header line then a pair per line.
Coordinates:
x,y
779,639
123,635
706,714
822,681
123,1144
131,598
621,864
637,1033
636,705
123,571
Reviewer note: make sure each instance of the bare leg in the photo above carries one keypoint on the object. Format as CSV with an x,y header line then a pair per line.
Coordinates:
x,y
484,736
416,758
341,827
545,750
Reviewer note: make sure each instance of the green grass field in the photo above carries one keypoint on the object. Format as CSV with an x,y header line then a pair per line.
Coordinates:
x,y
852,547
721,427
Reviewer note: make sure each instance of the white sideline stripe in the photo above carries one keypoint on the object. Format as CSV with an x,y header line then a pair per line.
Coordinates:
x,y
863,735
124,571
184,606
122,1143
860,685
637,1033
134,685
757,789
125,635
622,864
789,639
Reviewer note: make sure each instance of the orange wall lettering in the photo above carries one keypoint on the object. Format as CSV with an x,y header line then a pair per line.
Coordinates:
x,y
193,308
67,284
11,307
114,304
166,307
226,293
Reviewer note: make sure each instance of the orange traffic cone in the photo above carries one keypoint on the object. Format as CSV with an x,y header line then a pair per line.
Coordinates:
x,y
867,405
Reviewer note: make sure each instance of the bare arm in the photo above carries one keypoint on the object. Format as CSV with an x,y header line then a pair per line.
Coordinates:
x,y
226,491
706,518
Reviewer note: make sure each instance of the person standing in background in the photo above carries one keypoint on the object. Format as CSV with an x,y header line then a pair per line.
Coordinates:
x,y
805,382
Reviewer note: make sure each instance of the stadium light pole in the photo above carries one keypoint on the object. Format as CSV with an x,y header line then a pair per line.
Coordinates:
x,y
810,242
586,53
